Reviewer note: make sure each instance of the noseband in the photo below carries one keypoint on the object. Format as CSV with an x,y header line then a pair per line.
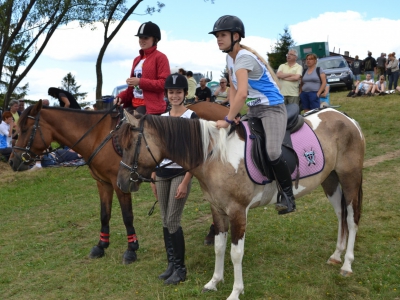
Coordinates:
x,y
135,176
27,156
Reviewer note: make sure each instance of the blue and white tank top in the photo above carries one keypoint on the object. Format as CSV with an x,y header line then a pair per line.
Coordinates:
x,y
261,91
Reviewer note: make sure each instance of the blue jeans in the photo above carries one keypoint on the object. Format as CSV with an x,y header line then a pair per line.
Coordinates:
x,y
357,77
393,78
372,74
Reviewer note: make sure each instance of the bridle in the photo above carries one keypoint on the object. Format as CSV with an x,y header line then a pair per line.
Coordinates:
x,y
28,156
135,176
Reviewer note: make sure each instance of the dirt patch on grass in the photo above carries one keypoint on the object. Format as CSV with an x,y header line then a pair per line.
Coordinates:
x,y
381,158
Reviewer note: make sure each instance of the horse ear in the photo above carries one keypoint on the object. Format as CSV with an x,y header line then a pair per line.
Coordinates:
x,y
36,108
129,118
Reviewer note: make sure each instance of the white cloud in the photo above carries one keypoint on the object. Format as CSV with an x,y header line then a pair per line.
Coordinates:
x,y
349,31
73,49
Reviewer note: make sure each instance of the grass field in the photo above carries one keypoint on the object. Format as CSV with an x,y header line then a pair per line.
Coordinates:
x,y
50,221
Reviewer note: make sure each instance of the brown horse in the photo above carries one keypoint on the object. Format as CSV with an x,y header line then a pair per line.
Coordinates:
x,y
40,125
210,111
67,126
217,161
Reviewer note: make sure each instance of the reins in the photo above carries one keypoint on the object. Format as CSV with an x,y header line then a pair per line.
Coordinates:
x,y
27,157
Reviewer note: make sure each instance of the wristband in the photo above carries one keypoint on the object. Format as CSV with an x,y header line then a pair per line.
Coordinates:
x,y
229,121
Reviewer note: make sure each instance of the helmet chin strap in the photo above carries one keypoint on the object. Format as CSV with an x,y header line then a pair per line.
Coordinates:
x,y
232,44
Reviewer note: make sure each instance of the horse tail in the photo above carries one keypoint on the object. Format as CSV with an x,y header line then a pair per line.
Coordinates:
x,y
358,206
344,225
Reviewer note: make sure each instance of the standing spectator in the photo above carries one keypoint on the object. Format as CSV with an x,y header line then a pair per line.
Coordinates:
x,y
392,70
369,64
145,92
182,71
356,68
381,65
172,188
255,83
203,93
222,92
312,84
64,98
289,75
192,87
21,105
45,102
14,105
6,134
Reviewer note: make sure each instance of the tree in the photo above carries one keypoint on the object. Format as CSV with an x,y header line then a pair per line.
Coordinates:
x,y
69,84
110,11
281,48
23,22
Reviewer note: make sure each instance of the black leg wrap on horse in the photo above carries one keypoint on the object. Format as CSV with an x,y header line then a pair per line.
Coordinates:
x,y
170,255
285,202
178,243
210,238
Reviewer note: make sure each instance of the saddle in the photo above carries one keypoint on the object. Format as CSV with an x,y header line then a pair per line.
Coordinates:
x,y
258,151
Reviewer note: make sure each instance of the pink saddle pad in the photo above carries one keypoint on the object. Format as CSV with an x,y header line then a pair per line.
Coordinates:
x,y
308,150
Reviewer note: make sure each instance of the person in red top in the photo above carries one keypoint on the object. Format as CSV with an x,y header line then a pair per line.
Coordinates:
x,y
145,92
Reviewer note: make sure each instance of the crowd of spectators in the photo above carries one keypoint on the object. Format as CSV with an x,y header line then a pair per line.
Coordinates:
x,y
385,69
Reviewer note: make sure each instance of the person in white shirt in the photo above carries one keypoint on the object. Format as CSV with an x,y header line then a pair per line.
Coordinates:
x,y
365,87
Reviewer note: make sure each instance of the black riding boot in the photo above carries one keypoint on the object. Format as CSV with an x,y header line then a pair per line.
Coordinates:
x,y
285,203
170,255
178,243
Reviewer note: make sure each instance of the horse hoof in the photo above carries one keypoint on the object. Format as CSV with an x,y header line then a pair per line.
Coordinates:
x,y
96,252
129,257
332,261
205,290
346,273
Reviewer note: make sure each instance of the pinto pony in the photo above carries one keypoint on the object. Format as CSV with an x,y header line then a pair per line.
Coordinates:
x,y
216,159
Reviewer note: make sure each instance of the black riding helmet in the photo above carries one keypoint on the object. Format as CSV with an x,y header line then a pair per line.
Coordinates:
x,y
176,81
149,29
231,24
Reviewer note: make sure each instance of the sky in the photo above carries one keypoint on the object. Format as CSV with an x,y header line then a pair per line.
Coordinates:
x,y
354,26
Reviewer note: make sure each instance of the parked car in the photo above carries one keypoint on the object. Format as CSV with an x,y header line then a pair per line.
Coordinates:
x,y
338,72
118,89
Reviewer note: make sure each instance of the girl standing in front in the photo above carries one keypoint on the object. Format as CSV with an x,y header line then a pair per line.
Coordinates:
x,y
172,188
255,83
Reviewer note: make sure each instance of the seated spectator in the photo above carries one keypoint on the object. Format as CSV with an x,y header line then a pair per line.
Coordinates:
x,y
364,88
59,156
6,134
203,93
222,92
379,86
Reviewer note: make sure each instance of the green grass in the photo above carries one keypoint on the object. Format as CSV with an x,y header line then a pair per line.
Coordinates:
x,y
50,221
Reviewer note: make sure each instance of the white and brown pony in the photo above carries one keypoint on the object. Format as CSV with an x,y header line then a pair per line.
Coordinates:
x,y
216,159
